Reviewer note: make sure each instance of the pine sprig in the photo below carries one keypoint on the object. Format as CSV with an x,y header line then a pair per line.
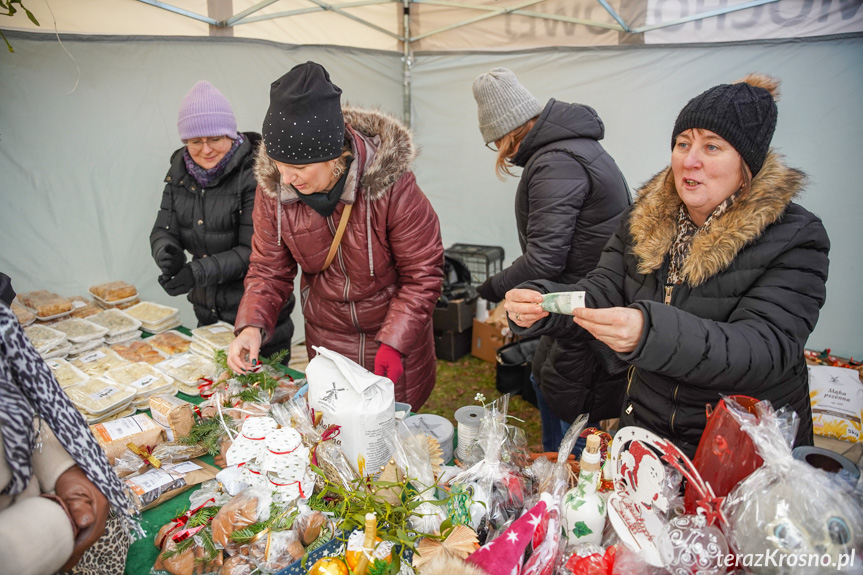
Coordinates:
x,y
210,550
280,520
256,381
209,433
181,547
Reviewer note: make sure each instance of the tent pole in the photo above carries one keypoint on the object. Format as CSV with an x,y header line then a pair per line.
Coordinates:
x,y
406,42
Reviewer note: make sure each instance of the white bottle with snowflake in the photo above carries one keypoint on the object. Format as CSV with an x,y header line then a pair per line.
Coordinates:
x,y
583,508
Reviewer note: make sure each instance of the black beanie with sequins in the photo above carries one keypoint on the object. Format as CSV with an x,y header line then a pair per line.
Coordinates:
x,y
304,123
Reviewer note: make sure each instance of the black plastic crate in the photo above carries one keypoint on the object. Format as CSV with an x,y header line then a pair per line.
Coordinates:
x,y
482,261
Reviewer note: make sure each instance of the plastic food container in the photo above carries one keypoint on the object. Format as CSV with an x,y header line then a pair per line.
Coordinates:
x,y
57,352
187,369
153,314
114,292
79,330
170,342
140,350
24,315
45,304
83,307
78,349
162,327
44,338
99,397
124,338
144,379
218,336
116,322
65,373
99,361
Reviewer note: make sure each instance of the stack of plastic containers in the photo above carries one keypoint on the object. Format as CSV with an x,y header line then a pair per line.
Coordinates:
x,y
122,328
188,370
171,343
117,294
24,315
139,350
49,343
84,335
155,318
45,305
99,399
144,379
83,307
208,339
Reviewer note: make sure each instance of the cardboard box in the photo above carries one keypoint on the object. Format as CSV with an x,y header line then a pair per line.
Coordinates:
x,y
451,345
487,338
457,316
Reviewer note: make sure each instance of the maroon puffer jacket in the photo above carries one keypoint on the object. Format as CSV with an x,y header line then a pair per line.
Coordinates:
x,y
387,275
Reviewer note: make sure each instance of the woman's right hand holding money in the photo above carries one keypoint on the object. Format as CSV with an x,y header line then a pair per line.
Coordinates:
x,y
523,307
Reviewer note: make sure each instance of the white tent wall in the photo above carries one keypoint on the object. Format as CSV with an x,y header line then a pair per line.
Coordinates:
x,y
83,157
638,92
82,172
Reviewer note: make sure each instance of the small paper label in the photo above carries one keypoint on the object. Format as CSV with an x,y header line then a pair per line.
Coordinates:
x,y
185,467
149,481
144,381
179,362
91,357
219,329
103,394
78,304
53,364
120,428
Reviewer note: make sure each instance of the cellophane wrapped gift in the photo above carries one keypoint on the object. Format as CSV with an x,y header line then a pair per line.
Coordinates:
x,y
787,507
276,550
495,486
249,506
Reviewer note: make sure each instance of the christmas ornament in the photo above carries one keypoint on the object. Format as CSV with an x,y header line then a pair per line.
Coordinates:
x,y
329,566
689,546
460,543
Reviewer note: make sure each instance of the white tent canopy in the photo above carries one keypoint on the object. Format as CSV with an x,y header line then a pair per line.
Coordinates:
x,y
87,125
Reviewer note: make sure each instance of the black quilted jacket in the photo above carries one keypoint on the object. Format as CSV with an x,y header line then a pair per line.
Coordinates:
x,y
214,225
755,283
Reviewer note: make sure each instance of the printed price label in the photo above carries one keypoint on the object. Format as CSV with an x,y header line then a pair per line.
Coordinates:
x,y
78,304
91,357
180,362
149,481
120,428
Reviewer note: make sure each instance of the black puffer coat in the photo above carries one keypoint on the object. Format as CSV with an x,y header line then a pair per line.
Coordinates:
x,y
568,203
215,225
754,285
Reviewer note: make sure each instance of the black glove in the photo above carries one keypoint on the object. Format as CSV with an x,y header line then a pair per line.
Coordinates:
x,y
486,291
171,260
180,283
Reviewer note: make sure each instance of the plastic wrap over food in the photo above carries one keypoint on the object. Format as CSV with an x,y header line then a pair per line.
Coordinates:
x,y
411,453
276,550
148,486
786,506
247,507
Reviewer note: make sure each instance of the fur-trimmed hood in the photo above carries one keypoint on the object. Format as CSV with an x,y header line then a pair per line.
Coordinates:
x,y
383,150
653,222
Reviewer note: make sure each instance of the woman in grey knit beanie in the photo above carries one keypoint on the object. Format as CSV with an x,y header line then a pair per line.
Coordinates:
x,y
568,203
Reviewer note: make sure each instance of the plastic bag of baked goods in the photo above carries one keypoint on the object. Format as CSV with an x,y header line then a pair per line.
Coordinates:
x,y
362,403
249,506
111,292
45,304
276,550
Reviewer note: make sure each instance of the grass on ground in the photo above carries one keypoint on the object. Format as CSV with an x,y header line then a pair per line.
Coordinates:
x,y
458,382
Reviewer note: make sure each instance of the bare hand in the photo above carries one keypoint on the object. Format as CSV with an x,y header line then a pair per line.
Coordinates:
x,y
522,306
618,327
244,350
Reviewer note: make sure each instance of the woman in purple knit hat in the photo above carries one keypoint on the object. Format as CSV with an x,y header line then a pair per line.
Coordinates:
x,y
206,211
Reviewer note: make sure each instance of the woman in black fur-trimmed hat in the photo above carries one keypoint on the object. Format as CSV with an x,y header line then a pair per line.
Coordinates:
x,y
714,279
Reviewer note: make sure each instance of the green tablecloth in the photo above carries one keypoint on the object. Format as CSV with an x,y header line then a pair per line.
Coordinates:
x,y
143,553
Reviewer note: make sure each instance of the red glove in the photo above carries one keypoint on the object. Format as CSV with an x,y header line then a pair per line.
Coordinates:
x,y
388,363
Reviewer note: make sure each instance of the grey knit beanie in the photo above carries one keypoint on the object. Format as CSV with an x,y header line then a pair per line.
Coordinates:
x,y
503,103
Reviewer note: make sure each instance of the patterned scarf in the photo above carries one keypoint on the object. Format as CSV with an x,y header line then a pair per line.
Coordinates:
x,y
207,177
29,389
686,230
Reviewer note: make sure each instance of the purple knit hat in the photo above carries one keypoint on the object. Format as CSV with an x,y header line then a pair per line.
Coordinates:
x,y
205,112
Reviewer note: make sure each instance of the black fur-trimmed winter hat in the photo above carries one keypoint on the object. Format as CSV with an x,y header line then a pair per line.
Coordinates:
x,y
743,113
304,123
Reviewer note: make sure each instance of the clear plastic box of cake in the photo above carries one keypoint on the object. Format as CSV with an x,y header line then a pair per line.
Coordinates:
x,y
188,368
116,322
98,361
79,330
98,396
141,377
44,338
